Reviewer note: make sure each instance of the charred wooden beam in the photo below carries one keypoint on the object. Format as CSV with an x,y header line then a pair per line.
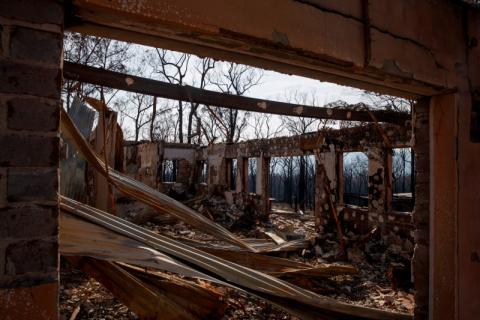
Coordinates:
x,y
166,90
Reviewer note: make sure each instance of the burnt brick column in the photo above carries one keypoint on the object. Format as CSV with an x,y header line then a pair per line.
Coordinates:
x,y
31,41
421,212
184,172
379,184
242,171
325,171
217,179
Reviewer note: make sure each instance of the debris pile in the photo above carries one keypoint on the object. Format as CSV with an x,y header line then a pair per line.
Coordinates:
x,y
219,248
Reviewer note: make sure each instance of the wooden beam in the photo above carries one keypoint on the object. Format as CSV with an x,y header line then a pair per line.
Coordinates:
x,y
153,295
444,204
324,40
105,147
166,90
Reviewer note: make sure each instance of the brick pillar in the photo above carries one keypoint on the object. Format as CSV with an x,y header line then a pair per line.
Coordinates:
x,y
421,212
31,34
326,170
379,184
242,171
217,179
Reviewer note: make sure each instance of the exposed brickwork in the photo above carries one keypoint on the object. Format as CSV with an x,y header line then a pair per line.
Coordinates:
x,y
28,151
376,180
343,140
38,11
32,184
323,210
325,180
41,257
32,115
30,59
3,188
40,221
3,115
23,78
184,172
23,39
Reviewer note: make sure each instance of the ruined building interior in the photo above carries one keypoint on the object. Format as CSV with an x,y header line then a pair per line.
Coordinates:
x,y
185,210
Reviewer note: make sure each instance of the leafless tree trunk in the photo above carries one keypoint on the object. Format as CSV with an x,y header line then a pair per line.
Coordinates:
x,y
138,114
234,79
153,117
203,68
173,68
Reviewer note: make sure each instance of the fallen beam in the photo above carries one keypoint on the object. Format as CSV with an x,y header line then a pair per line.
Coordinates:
x,y
151,295
97,76
260,245
280,267
80,238
209,300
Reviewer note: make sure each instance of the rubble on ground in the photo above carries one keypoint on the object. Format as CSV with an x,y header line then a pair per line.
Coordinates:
x,y
375,285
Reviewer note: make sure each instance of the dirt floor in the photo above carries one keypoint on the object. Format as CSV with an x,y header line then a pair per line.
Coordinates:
x,y
383,280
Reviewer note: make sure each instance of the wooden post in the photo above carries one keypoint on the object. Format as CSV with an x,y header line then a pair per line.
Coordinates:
x,y
105,145
443,207
265,184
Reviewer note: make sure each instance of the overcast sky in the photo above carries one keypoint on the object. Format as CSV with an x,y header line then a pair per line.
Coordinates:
x,y
272,86
275,85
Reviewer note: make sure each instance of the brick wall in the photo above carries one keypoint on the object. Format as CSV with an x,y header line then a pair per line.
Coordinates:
x,y
31,44
185,170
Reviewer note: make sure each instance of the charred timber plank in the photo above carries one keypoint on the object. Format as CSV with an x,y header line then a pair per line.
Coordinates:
x,y
97,76
209,300
146,302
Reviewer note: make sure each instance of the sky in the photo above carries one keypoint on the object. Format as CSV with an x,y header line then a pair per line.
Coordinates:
x,y
274,85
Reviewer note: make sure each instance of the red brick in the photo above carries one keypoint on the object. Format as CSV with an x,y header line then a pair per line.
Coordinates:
x,y
33,303
40,11
29,222
3,187
48,45
1,41
28,151
3,116
32,184
33,115
28,79
31,256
